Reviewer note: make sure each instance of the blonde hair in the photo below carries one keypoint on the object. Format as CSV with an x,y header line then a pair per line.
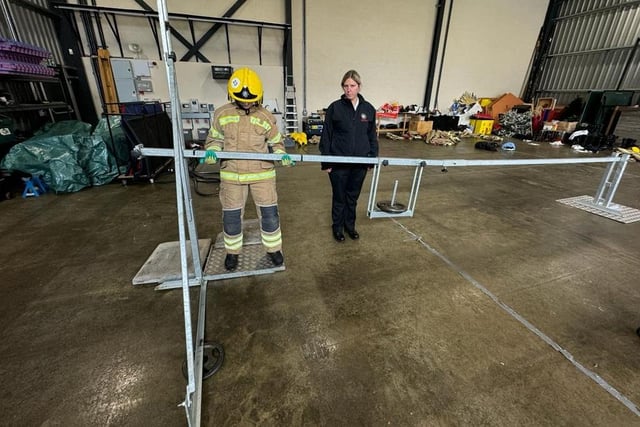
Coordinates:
x,y
353,75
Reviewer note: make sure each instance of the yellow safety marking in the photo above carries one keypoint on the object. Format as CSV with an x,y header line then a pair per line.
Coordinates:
x,y
246,177
228,119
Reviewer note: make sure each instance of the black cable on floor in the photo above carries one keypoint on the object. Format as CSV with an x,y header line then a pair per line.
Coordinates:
x,y
199,177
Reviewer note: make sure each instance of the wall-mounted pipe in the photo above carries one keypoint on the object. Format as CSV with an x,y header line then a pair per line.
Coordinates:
x,y
444,49
304,58
433,59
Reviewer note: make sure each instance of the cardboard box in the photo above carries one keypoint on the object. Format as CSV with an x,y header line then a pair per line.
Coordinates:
x,y
481,126
559,126
566,126
503,104
420,126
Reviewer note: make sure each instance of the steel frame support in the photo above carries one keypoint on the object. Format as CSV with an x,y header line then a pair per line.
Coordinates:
x,y
193,397
151,15
194,351
211,31
609,183
372,209
604,196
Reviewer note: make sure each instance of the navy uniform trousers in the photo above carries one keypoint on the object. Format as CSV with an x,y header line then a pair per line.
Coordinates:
x,y
346,182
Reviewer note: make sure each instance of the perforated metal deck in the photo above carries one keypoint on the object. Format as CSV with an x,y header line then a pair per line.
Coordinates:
x,y
252,261
616,212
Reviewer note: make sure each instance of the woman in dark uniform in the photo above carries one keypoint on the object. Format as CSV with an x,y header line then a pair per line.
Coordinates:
x,y
349,130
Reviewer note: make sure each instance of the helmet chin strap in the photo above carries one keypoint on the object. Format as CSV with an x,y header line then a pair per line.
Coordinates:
x,y
246,109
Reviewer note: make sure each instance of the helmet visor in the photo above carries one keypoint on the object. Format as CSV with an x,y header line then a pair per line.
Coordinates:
x,y
245,95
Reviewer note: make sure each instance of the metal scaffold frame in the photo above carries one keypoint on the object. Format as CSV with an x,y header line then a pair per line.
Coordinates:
x,y
600,204
186,222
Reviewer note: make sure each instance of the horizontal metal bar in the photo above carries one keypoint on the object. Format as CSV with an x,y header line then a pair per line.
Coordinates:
x,y
390,161
585,52
199,154
339,159
514,162
175,16
627,4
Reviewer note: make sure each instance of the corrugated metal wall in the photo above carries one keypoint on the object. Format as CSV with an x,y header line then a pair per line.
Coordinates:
x,y
33,23
592,49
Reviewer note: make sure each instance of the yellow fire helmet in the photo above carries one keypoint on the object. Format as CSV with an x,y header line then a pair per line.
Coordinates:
x,y
245,86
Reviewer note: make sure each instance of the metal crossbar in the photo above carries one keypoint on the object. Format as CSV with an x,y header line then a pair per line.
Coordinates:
x,y
601,202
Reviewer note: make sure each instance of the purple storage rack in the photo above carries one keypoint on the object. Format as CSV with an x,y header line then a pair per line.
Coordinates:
x,y
22,58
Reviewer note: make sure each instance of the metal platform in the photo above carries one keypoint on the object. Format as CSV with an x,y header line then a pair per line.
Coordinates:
x,y
252,261
615,211
163,265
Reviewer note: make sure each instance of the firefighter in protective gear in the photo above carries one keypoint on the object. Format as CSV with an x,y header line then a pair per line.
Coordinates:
x,y
245,126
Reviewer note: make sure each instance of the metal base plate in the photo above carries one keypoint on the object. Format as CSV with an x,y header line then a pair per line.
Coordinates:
x,y
252,261
163,264
616,212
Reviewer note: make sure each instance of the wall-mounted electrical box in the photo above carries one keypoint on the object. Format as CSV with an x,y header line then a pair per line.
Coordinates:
x,y
221,72
144,85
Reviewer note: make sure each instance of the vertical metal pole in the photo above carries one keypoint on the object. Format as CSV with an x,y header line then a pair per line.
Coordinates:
x,y
417,177
8,16
374,189
192,402
304,58
393,195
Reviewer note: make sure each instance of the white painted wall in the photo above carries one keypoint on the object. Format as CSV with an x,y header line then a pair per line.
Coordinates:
x,y
488,51
387,42
490,46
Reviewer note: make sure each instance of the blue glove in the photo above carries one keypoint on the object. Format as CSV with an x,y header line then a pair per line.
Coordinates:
x,y
210,157
286,160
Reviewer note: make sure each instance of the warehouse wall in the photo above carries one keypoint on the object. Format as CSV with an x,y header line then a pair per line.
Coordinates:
x,y
387,42
489,47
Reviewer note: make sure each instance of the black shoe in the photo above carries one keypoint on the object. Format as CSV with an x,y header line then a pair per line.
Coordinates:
x,y
353,234
276,258
338,236
231,261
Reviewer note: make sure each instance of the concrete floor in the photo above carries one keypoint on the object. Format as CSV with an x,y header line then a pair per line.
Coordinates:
x,y
439,319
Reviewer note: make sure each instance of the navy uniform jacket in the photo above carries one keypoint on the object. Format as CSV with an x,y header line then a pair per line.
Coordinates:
x,y
349,132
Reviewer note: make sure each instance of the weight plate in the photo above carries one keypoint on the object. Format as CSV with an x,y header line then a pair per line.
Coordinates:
x,y
388,207
212,357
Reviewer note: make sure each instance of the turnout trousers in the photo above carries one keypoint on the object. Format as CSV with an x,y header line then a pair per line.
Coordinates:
x,y
233,197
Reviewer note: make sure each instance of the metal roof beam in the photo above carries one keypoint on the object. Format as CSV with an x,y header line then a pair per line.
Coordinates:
x,y
193,50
